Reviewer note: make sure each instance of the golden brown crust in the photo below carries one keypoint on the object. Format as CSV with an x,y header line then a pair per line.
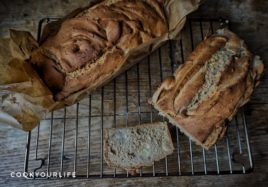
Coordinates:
x,y
217,79
91,47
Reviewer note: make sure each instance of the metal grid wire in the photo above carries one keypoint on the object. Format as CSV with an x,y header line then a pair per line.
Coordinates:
x,y
71,139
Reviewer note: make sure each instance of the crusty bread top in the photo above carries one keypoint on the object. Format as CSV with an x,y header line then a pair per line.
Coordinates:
x,y
91,45
133,147
217,78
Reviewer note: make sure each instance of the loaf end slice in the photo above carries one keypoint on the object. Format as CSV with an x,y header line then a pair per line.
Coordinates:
x,y
131,148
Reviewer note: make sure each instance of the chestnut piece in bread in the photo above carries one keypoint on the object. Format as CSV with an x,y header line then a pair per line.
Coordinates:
x,y
90,48
218,78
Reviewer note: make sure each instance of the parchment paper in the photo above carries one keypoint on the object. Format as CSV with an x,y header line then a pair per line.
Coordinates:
x,y
25,99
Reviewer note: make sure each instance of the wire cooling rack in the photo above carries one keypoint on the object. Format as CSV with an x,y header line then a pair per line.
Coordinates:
x,y
71,139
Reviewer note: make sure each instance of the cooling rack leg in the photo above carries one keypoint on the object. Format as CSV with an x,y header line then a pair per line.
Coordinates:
x,y
229,155
62,142
126,91
102,113
239,140
89,135
247,139
114,115
27,152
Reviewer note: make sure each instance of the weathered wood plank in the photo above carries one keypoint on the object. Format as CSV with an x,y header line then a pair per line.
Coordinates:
x,y
248,22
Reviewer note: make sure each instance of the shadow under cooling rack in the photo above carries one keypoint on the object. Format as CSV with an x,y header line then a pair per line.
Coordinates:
x,y
71,139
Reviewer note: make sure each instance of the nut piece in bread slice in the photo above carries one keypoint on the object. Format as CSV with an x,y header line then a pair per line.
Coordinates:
x,y
131,148
218,77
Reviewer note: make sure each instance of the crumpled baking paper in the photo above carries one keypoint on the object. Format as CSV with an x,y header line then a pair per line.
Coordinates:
x,y
25,99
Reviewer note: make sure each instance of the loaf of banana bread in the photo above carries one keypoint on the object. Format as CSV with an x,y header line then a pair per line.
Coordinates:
x,y
91,47
217,78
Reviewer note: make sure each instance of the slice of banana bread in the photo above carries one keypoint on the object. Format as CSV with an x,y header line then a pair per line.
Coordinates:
x,y
133,147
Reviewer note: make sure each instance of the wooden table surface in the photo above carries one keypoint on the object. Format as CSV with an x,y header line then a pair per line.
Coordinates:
x,y
249,20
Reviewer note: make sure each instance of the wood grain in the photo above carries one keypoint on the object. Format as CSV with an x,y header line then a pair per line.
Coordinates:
x,y
26,16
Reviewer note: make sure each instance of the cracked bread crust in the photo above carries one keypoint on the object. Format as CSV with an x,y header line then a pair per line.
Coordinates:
x,y
218,78
90,48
